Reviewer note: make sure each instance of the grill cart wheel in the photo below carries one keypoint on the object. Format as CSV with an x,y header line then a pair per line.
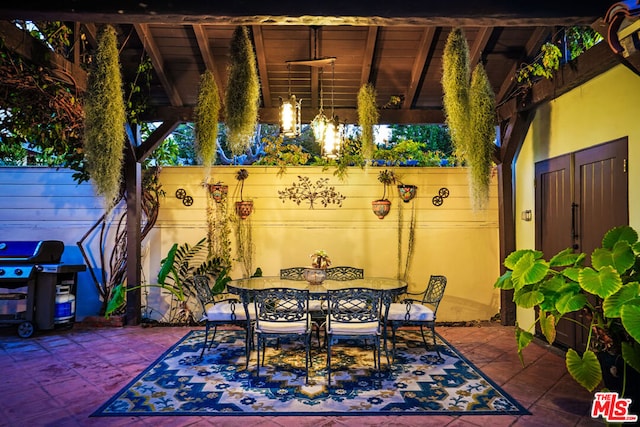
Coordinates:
x,y
25,329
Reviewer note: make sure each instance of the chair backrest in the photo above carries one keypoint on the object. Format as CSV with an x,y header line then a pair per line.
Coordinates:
x,y
353,305
435,291
281,305
200,286
292,273
343,273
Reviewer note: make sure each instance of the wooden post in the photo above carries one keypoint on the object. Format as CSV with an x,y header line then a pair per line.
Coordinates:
x,y
133,186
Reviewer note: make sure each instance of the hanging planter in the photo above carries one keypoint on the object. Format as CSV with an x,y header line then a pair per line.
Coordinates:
x,y
382,206
407,192
243,207
218,191
206,123
368,116
242,95
105,118
469,106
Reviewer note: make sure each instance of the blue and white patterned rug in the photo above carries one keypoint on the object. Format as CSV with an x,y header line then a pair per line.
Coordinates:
x,y
179,383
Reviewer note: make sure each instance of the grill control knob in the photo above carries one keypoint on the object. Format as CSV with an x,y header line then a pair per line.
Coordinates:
x,y
2,271
18,272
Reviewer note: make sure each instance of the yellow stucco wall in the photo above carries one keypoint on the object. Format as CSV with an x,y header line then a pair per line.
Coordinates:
x,y
451,239
603,109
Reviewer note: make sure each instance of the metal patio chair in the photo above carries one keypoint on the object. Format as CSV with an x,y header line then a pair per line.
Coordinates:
x,y
292,273
417,309
343,273
354,313
282,313
223,309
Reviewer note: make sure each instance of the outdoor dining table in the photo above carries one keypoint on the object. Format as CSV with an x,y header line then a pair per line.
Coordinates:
x,y
244,288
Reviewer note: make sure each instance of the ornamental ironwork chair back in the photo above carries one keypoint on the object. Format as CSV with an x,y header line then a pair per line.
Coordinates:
x,y
315,304
343,273
418,309
283,313
292,273
354,313
222,309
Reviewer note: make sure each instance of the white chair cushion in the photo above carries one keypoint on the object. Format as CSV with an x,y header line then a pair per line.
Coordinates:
x,y
222,311
417,312
293,327
353,328
316,305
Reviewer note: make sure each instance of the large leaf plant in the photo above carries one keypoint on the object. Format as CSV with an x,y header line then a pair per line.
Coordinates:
x,y
607,292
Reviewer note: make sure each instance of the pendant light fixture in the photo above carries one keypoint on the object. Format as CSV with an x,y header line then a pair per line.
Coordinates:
x,y
290,123
334,131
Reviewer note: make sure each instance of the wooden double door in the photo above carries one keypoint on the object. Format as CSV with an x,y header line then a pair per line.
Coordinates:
x,y
579,196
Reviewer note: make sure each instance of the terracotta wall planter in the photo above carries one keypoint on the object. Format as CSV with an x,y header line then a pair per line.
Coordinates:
x,y
407,192
244,208
381,207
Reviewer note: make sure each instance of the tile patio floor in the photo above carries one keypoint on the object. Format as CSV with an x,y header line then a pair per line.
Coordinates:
x,y
58,378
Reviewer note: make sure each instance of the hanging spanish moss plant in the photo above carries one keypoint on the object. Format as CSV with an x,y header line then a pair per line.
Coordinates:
x,y
368,116
455,87
243,93
469,105
105,118
482,136
206,124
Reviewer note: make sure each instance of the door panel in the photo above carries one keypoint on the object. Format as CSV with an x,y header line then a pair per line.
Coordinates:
x,y
554,222
577,214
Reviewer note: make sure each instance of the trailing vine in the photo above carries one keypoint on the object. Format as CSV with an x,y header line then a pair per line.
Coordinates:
x,y
105,119
206,123
242,94
368,116
218,230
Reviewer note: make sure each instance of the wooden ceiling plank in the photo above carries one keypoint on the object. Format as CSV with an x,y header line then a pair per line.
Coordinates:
x,y
367,55
25,45
424,49
158,64
261,59
205,51
533,45
479,44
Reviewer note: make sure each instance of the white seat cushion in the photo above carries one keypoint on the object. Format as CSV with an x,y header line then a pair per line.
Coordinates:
x,y
294,327
417,312
316,305
353,328
222,311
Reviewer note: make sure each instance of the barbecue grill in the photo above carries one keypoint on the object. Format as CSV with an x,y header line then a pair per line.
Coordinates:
x,y
31,279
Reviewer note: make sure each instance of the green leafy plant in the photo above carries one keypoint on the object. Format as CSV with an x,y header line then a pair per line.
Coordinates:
x,y
176,271
206,123
544,65
242,94
368,116
277,153
105,119
607,293
387,178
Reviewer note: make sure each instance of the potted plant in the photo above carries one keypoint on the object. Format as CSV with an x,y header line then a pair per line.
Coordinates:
x,y
218,191
382,206
607,292
320,261
243,207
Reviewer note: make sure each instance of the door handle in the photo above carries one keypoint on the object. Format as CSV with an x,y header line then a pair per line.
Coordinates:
x,y
574,234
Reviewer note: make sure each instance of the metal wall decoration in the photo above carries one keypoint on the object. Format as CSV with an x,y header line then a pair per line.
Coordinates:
x,y
312,192
181,194
438,200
